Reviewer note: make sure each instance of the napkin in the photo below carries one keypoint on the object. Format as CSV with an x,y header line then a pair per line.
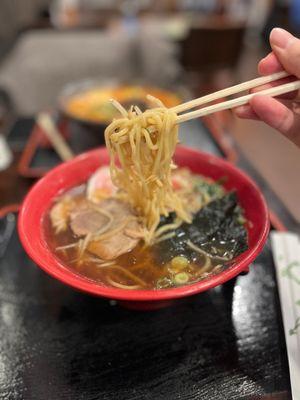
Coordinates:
x,y
5,154
286,253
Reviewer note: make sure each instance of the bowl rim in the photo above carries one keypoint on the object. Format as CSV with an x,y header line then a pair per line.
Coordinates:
x,y
61,272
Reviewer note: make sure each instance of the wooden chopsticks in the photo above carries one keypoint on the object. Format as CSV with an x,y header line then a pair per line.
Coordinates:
x,y
274,91
58,142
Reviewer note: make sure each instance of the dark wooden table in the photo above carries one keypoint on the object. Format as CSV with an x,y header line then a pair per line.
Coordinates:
x,y
56,343
12,186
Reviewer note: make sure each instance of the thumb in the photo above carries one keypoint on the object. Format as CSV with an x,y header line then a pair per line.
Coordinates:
x,y
287,49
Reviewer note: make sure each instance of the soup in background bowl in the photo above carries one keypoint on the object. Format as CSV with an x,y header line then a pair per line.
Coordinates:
x,y
87,109
90,103
35,238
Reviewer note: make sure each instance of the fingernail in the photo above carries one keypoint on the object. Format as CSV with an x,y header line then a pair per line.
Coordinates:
x,y
280,38
270,55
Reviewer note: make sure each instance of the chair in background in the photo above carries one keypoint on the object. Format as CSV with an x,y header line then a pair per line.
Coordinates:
x,y
212,50
43,62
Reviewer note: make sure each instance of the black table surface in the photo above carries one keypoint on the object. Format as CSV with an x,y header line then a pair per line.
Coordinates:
x,y
57,344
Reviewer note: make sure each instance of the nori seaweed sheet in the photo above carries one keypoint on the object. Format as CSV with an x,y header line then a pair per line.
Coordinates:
x,y
216,228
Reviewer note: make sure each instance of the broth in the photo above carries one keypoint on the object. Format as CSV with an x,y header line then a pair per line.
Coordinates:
x,y
190,253
147,272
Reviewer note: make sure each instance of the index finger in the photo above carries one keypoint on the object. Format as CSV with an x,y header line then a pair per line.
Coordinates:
x,y
269,65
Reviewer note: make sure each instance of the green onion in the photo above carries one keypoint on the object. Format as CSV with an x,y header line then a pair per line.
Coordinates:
x,y
181,278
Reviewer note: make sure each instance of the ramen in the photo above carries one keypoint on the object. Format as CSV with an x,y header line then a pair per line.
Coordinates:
x,y
100,236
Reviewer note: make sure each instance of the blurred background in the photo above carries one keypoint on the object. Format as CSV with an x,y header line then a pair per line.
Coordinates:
x,y
51,50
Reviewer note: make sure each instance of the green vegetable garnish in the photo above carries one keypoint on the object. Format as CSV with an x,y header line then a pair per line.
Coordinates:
x,y
181,278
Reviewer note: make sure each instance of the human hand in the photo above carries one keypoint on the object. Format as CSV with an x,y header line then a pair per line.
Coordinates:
x,y
281,113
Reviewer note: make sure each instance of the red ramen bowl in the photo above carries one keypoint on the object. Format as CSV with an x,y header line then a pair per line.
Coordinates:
x,y
78,170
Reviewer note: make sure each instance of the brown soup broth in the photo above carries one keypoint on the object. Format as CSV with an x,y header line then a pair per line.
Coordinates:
x,y
140,262
141,268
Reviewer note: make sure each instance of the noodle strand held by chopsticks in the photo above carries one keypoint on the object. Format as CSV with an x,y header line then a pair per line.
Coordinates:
x,y
141,147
